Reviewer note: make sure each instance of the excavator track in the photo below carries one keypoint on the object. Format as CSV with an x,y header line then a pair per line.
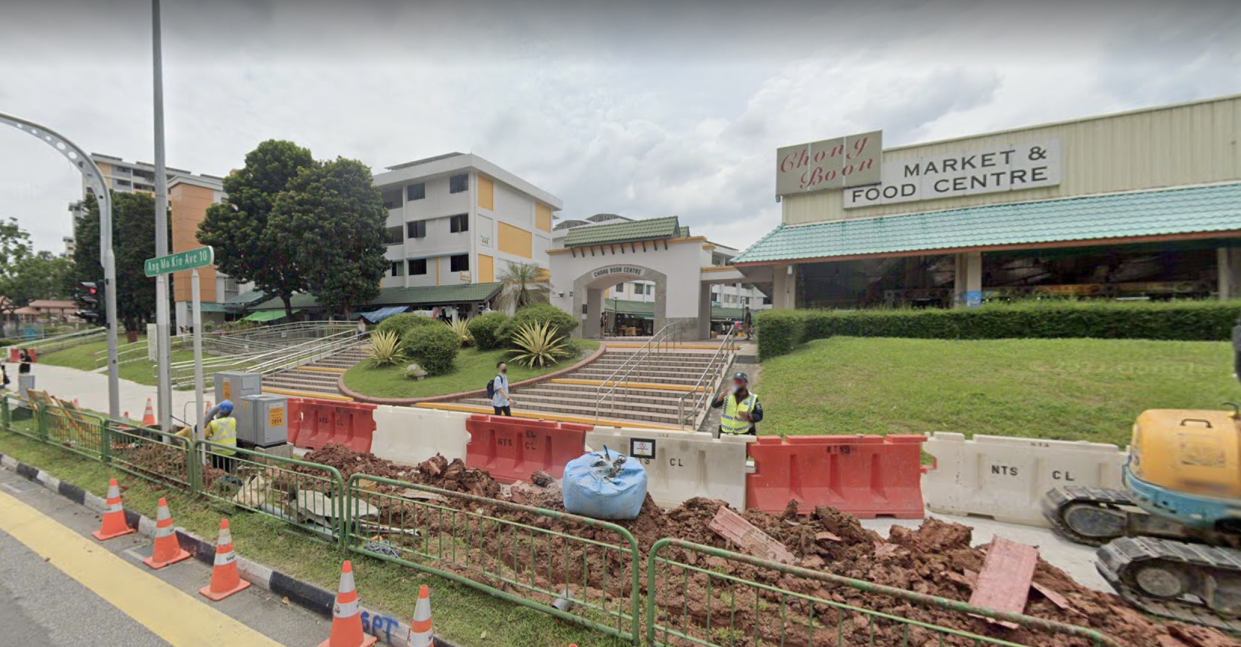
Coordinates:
x,y
1061,502
1191,577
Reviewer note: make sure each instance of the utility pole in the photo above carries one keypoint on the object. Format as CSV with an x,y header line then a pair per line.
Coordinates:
x,y
96,183
163,331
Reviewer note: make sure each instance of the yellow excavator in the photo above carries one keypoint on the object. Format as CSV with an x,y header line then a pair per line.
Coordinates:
x,y
1170,542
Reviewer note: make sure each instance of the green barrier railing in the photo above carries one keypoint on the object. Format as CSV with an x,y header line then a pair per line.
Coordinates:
x,y
491,545
19,418
157,456
307,495
77,431
691,601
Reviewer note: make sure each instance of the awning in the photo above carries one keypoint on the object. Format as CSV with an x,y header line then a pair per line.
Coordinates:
x,y
267,315
383,313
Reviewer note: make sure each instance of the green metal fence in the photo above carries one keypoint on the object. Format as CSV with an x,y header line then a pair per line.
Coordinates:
x,y
77,431
578,569
151,454
307,495
19,418
691,600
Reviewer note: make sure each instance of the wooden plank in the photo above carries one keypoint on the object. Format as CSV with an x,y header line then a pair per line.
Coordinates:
x,y
1007,572
751,540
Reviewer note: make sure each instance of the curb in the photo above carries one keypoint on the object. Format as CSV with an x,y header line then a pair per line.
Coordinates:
x,y
386,627
448,397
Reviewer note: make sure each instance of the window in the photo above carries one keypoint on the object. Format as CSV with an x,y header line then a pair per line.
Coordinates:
x,y
639,288
766,301
396,235
398,268
620,289
459,183
457,224
459,263
417,229
392,199
416,191
418,267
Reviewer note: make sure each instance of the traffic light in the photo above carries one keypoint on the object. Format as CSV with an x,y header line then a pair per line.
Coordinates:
x,y
92,302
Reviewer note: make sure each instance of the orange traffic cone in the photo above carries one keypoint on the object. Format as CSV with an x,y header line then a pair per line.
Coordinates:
x,y
148,416
420,634
225,580
346,617
167,550
113,516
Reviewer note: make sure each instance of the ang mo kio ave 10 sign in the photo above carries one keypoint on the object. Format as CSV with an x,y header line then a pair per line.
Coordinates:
x,y
188,260
1007,167
838,163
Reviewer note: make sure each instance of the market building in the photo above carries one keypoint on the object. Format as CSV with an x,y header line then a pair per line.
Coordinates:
x,y
1143,204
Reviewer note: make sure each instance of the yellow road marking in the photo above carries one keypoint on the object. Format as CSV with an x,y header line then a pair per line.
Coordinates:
x,y
447,406
632,385
321,369
307,394
175,616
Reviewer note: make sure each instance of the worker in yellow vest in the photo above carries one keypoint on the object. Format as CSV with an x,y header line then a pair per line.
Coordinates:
x,y
223,431
741,408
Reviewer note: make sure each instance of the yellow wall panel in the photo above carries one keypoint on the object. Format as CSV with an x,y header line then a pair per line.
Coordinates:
x,y
189,207
543,217
486,193
486,269
515,241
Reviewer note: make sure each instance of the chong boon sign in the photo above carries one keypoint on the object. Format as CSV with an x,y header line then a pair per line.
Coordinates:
x,y
838,163
1030,165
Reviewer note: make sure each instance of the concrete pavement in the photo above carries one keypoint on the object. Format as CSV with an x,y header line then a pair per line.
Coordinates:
x,y
91,390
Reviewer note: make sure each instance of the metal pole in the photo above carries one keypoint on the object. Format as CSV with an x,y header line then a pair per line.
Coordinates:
x,y
163,343
93,178
198,352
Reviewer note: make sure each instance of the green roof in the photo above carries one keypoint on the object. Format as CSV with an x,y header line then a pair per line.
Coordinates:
x,y
433,295
646,310
246,298
208,306
1122,215
623,232
267,315
683,232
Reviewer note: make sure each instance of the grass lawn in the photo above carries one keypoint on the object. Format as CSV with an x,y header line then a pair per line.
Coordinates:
x,y
83,358
1070,389
472,371
462,614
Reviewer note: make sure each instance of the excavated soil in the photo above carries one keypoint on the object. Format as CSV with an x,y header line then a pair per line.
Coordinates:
x,y
935,559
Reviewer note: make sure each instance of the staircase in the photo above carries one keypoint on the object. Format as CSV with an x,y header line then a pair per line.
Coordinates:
x,y
649,396
318,377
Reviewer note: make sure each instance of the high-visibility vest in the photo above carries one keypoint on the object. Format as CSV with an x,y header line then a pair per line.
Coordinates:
x,y
731,421
223,431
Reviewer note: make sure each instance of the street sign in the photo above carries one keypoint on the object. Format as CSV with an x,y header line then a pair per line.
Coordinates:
x,y
201,257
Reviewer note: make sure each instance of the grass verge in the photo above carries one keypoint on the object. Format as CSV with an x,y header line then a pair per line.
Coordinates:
x,y
462,615
471,371
83,358
1066,389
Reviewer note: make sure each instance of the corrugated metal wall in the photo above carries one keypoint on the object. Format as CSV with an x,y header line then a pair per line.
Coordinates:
x,y
1175,146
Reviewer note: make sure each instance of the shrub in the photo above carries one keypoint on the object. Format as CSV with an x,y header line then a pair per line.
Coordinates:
x,y
400,324
434,347
538,345
461,329
385,348
485,330
559,322
780,331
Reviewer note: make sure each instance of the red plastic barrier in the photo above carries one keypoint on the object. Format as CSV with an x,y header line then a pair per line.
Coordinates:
x,y
512,449
15,355
293,417
325,422
866,476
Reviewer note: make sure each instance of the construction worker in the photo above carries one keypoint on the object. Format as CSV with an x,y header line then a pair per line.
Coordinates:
x,y
223,431
741,408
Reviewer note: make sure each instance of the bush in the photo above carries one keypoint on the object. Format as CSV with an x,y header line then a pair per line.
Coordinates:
x,y
559,322
400,324
461,328
486,328
434,347
385,348
538,346
780,331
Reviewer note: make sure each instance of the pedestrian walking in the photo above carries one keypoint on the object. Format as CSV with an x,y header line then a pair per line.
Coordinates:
x,y
746,324
361,328
741,408
24,367
501,400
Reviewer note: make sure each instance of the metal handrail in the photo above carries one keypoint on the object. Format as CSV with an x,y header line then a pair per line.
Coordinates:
x,y
660,341
268,360
710,375
77,337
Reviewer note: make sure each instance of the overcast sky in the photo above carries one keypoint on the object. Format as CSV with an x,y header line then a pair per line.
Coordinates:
x,y
625,106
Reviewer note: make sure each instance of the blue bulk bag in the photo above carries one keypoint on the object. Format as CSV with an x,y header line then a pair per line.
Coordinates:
x,y
604,485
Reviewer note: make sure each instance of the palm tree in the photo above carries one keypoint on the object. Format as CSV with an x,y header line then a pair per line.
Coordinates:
x,y
524,284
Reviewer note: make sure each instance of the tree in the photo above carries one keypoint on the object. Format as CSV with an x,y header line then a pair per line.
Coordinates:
x,y
14,248
333,217
133,217
37,276
524,284
246,247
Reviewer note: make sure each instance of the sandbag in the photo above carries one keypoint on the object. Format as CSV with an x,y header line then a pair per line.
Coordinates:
x,y
604,485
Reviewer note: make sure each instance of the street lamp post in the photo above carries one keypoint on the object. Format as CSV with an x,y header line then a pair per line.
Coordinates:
x,y
96,184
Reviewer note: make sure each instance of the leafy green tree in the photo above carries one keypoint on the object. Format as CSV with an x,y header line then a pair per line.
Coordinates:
x,y
14,249
37,276
332,215
246,247
133,241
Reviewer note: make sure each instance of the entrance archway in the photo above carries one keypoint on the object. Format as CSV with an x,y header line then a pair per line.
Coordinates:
x,y
588,292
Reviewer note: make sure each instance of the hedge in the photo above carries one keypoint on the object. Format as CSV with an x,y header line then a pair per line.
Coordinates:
x,y
403,323
486,328
781,331
562,322
434,347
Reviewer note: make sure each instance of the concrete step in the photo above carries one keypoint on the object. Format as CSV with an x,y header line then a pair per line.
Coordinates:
x,y
562,387
583,411
659,362
578,392
683,378
623,404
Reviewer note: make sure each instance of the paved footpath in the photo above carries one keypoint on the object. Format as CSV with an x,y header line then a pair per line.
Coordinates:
x,y
91,390
62,588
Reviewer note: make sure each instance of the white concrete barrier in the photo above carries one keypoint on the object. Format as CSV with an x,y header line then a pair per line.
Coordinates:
x,y
682,465
1006,478
411,435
